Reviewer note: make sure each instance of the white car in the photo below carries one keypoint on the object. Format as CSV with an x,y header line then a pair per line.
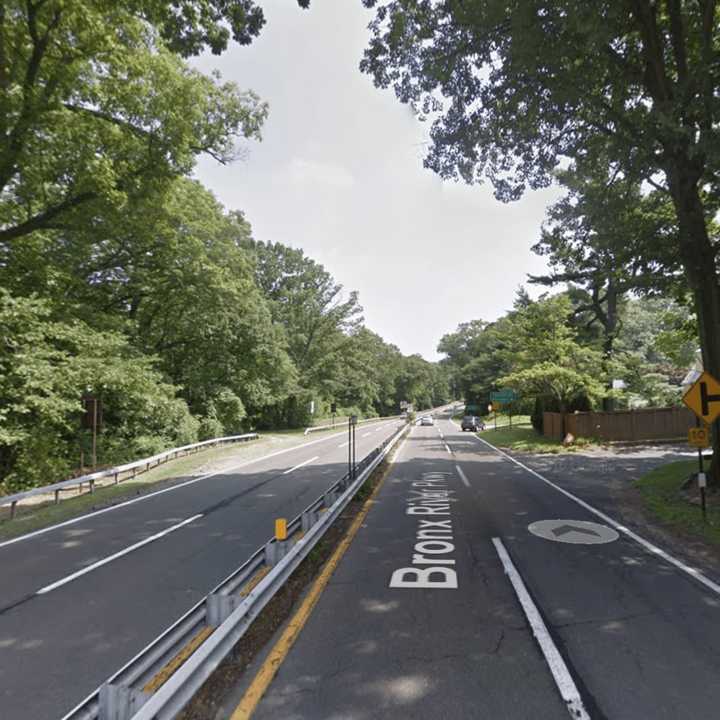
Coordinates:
x,y
427,420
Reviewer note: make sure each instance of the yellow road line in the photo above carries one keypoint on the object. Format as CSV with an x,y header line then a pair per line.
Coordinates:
x,y
282,647
167,671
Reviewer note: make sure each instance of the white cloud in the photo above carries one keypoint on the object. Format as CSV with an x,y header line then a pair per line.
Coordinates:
x,y
303,172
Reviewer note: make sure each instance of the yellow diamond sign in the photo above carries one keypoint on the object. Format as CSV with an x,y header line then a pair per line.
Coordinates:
x,y
703,398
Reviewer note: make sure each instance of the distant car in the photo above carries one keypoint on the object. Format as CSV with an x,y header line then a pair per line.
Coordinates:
x,y
427,420
472,423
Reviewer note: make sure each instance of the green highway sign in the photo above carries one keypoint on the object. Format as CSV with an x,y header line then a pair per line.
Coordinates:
x,y
503,396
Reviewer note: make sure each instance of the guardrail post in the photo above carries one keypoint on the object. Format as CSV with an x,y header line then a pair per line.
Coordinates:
x,y
119,702
307,520
219,607
329,498
57,497
275,551
13,508
92,486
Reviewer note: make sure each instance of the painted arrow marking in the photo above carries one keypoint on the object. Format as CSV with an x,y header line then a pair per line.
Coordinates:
x,y
565,529
575,532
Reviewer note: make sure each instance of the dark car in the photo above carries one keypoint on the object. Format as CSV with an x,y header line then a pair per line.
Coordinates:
x,y
472,423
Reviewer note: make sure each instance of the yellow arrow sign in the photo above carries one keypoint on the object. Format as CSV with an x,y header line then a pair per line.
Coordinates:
x,y
703,398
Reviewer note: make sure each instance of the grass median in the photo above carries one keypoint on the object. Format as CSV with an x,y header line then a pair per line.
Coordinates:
x,y
663,494
524,438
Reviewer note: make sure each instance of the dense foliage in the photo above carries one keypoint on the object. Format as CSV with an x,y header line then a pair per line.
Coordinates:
x,y
125,281
556,360
623,91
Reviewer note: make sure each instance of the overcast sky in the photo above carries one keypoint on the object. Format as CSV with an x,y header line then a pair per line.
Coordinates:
x,y
339,174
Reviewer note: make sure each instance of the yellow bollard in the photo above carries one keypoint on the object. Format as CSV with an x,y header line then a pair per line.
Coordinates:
x,y
280,529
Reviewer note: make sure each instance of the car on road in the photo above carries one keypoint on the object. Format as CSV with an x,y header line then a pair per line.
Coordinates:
x,y
472,423
427,420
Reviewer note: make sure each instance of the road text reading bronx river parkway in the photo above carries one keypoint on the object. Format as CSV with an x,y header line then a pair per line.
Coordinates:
x,y
478,588
430,496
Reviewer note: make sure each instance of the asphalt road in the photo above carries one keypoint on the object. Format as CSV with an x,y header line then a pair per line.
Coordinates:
x,y
78,602
622,634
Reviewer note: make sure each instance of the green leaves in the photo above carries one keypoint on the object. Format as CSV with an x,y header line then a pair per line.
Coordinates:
x,y
46,367
96,109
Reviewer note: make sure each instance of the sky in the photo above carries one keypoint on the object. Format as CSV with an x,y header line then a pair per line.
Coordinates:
x,y
339,174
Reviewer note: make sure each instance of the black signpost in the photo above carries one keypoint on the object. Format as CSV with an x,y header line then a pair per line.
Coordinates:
x,y
352,422
703,398
701,476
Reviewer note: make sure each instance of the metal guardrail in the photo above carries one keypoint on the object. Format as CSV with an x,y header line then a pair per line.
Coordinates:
x,y
140,690
344,423
115,472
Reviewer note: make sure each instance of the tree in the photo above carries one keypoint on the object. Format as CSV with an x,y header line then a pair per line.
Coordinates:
x,y
316,320
45,368
655,347
96,110
171,274
607,239
516,87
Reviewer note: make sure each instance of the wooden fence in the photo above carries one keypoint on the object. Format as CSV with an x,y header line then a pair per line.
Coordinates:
x,y
643,424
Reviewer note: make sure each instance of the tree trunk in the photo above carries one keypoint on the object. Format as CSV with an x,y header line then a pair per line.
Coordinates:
x,y
698,257
610,328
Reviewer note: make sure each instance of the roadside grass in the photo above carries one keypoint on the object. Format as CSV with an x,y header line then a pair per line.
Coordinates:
x,y
525,439
35,516
503,420
662,493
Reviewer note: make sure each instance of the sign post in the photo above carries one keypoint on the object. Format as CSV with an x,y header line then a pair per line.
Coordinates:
x,y
352,422
703,398
503,397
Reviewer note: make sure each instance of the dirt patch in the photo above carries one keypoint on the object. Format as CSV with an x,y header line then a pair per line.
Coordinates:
x,y
211,697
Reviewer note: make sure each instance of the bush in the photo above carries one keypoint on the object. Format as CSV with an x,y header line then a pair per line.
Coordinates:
x,y
46,367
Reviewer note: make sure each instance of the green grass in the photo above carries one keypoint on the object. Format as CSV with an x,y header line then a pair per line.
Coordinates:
x,y
525,439
505,421
662,495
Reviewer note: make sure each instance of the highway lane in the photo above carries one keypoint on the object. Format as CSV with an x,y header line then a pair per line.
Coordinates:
x,y
57,646
636,637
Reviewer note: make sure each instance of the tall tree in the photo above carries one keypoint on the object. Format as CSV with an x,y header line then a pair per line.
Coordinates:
x,y
607,238
316,316
97,110
515,87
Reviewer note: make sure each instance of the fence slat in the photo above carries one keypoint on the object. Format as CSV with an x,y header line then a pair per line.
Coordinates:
x,y
642,424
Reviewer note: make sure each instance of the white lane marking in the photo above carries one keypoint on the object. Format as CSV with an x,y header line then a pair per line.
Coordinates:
x,y
367,434
345,444
653,549
299,465
226,471
447,447
462,476
110,558
565,684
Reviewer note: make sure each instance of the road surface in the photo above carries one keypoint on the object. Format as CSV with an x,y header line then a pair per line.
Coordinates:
x,y
618,632
77,602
